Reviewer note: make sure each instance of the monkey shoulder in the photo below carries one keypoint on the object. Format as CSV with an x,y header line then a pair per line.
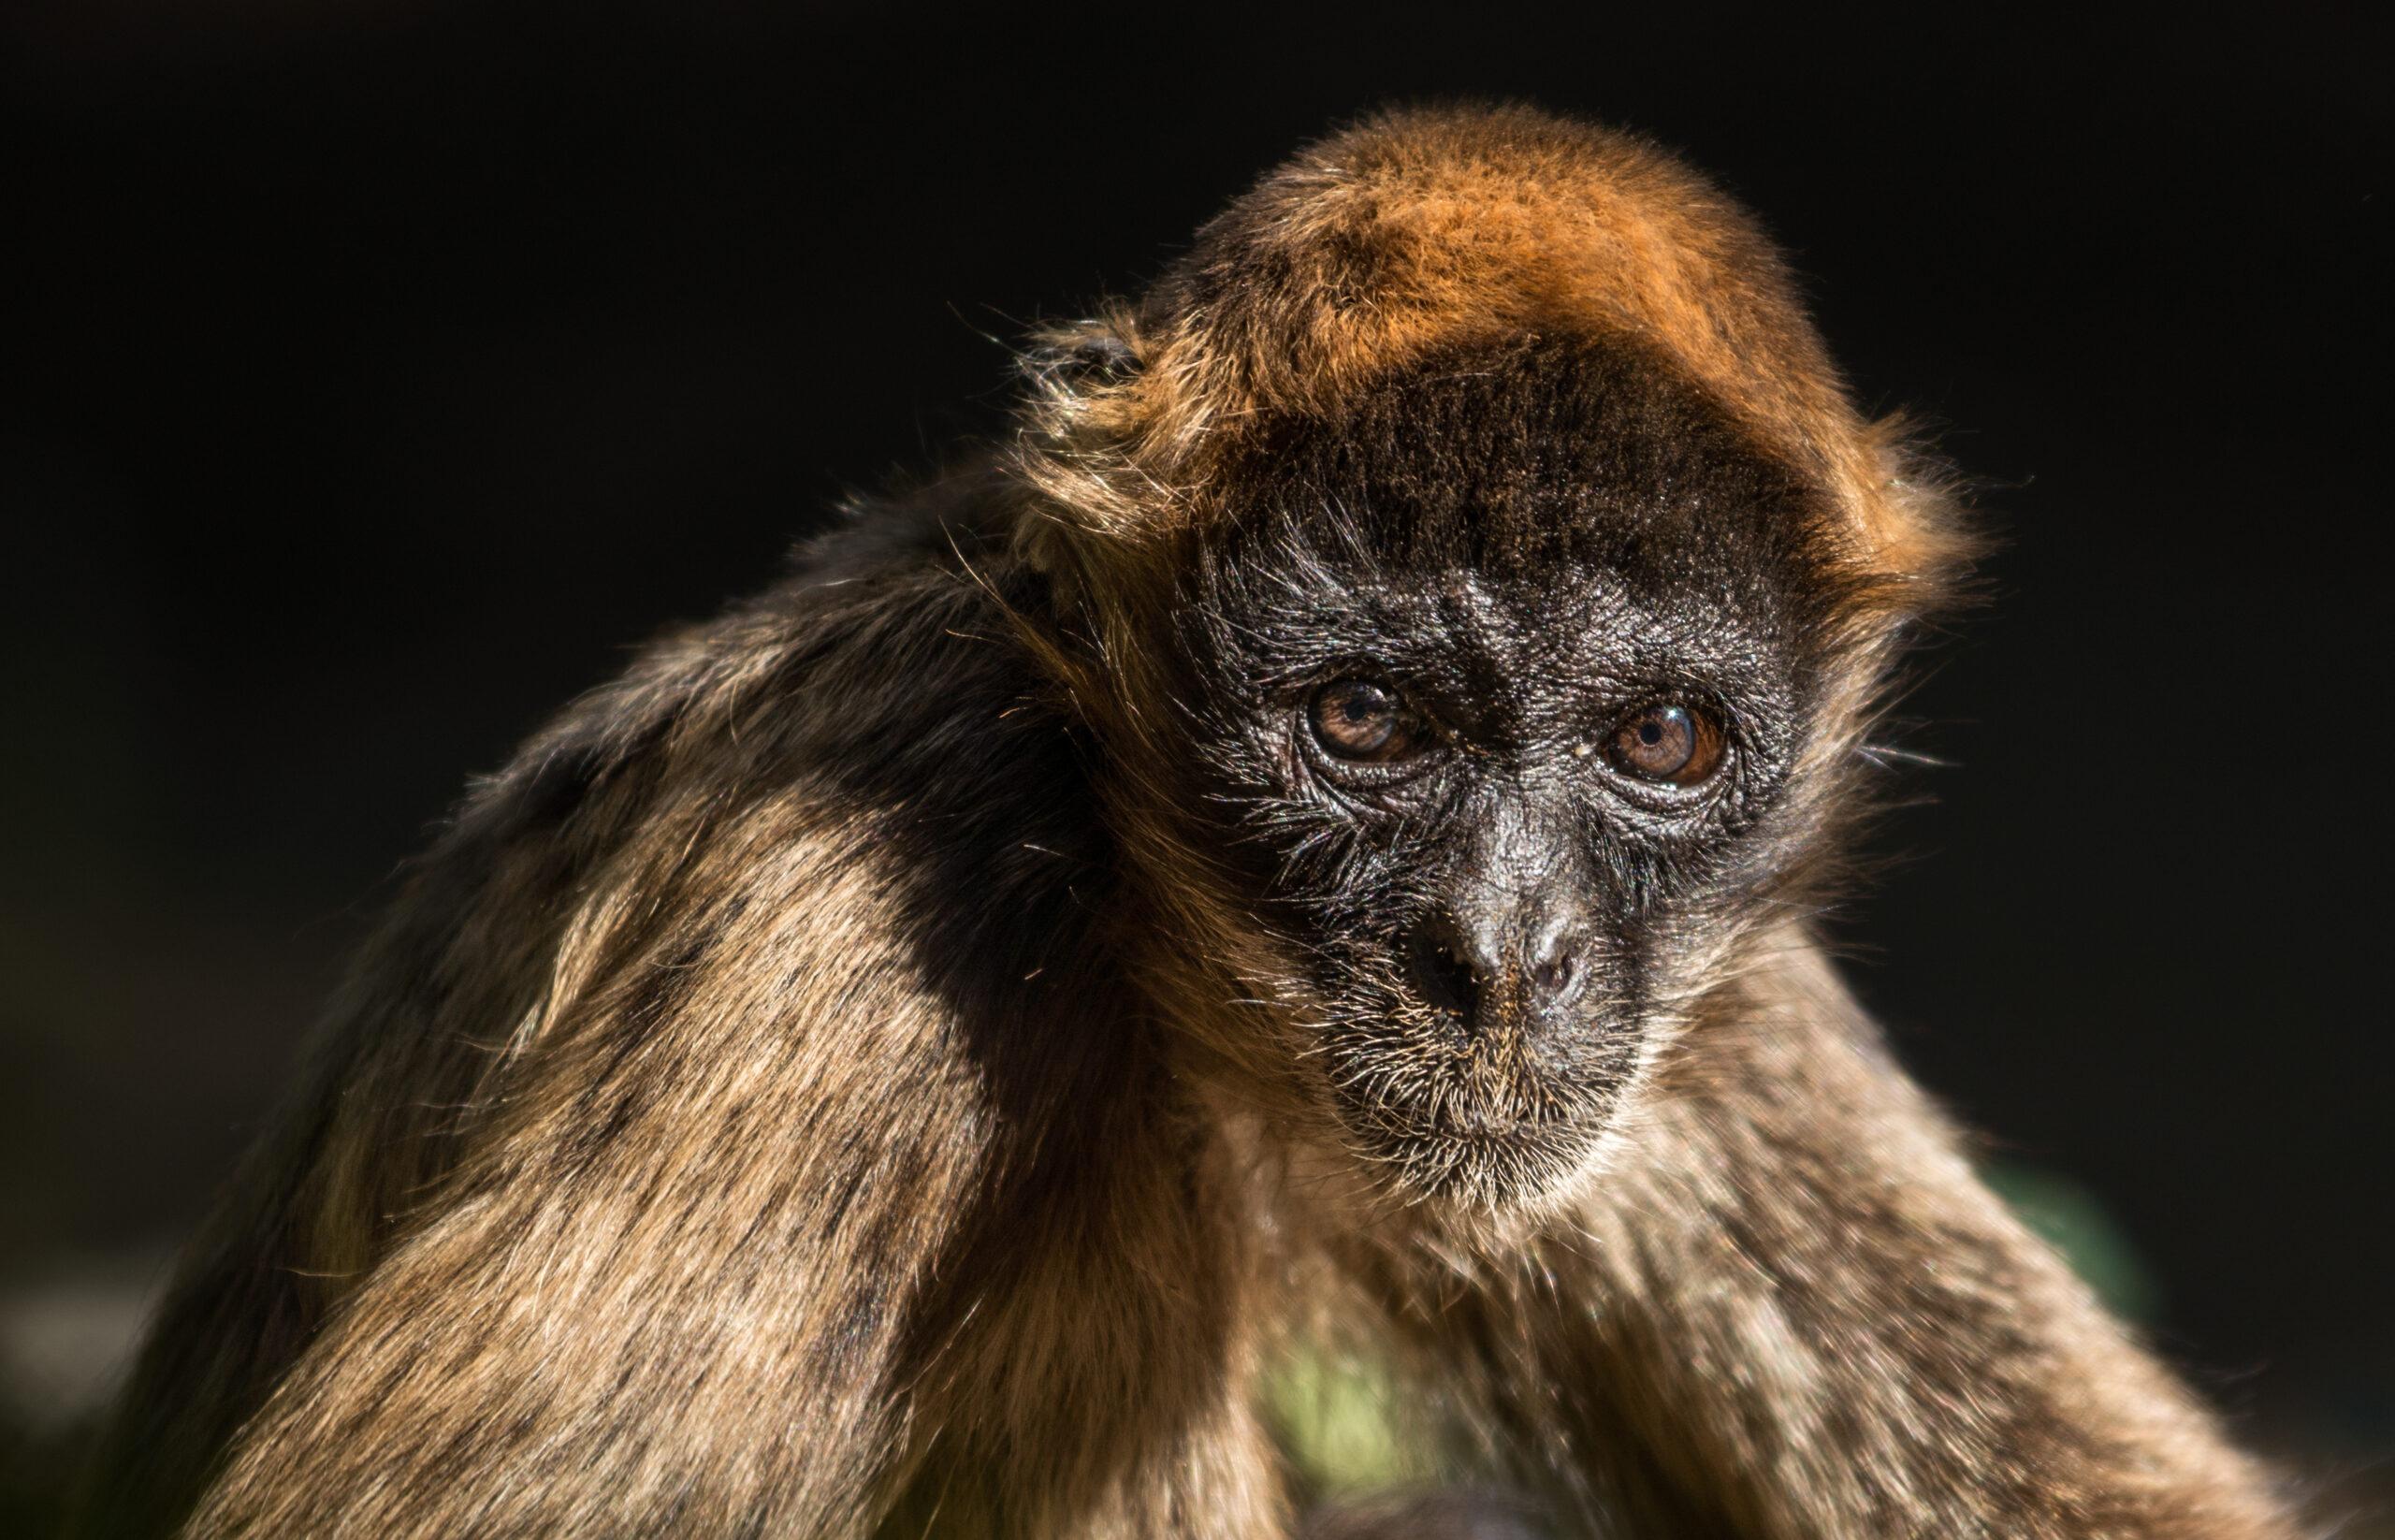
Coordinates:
x,y
882,666
876,702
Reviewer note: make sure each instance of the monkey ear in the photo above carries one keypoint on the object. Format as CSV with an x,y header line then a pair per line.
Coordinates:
x,y
1105,358
1082,357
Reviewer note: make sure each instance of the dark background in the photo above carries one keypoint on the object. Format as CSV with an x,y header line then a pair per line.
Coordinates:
x,y
375,375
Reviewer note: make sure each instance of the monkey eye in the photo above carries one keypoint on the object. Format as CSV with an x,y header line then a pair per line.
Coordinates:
x,y
1359,720
1669,742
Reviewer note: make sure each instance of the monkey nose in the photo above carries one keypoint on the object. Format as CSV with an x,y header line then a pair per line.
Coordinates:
x,y
1445,973
1551,960
1493,974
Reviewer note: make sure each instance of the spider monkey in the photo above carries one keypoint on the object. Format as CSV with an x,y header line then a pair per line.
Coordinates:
x,y
1320,828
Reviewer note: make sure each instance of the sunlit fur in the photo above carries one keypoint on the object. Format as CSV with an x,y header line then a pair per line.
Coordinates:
x,y
903,1060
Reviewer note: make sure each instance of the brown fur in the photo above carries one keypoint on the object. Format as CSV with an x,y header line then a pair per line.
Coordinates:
x,y
837,1081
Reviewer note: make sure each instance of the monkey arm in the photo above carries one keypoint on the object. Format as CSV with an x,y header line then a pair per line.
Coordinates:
x,y
1792,1300
659,1233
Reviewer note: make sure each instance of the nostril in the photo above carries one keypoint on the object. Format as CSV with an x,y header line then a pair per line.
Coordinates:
x,y
1556,977
1444,978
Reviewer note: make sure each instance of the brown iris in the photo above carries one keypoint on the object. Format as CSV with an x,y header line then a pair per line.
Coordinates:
x,y
1667,743
1359,720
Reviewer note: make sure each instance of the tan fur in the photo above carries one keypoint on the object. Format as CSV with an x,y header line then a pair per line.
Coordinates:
x,y
832,1084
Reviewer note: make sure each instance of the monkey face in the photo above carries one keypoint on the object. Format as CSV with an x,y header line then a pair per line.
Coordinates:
x,y
1508,673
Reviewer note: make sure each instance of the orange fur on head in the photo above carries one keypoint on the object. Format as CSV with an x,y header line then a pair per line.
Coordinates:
x,y
1418,229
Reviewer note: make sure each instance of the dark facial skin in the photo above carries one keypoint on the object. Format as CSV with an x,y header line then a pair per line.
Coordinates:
x,y
1511,674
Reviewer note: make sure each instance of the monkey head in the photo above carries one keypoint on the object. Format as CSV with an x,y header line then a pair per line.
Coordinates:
x,y
1517,588
1500,689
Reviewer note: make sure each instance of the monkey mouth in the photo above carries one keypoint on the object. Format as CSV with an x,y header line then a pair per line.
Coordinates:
x,y
1484,1133
1448,1095
1486,1161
